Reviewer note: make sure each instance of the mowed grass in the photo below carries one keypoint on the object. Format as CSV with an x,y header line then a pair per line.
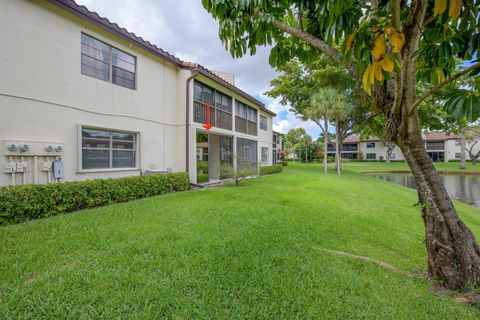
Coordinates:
x,y
231,252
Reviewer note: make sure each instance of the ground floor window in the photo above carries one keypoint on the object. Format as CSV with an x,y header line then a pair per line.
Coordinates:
x,y
274,157
264,155
458,155
437,156
349,155
246,152
108,149
371,156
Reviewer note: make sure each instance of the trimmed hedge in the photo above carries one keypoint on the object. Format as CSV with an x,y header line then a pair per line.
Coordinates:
x,y
25,202
276,168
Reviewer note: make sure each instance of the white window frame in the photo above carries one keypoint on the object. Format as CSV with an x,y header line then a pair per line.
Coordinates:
x,y
110,71
266,154
262,117
79,149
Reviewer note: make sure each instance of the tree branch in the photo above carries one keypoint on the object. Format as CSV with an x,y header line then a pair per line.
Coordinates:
x,y
442,84
374,10
315,42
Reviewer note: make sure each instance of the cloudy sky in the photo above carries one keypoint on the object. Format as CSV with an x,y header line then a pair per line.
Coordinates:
x,y
185,29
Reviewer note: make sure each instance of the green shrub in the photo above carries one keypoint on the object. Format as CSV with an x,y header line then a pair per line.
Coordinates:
x,y
276,168
25,202
284,163
202,166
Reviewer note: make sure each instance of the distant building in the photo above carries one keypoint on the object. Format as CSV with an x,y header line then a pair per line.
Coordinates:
x,y
440,146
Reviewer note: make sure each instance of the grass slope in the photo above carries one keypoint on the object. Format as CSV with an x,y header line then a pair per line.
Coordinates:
x,y
232,252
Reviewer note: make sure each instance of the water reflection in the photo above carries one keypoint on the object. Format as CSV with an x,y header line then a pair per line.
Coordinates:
x,y
465,188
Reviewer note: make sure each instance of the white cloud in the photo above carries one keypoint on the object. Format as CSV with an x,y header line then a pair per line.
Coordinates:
x,y
292,122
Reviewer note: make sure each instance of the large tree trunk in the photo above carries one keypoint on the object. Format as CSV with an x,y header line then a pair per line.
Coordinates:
x,y
463,151
453,254
325,147
338,158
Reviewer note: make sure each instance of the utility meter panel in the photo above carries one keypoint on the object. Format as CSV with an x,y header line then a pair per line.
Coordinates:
x,y
32,148
58,169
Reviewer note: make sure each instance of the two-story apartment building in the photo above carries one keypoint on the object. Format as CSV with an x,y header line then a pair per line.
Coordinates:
x,y
440,146
104,102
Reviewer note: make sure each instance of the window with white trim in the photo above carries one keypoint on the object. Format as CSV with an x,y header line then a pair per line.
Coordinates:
x,y
264,155
101,61
108,149
263,123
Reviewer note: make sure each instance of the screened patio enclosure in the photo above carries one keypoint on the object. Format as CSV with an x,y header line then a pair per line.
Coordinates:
x,y
213,151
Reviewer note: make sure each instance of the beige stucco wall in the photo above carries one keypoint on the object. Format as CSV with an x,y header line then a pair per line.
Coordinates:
x,y
452,149
380,150
265,139
44,96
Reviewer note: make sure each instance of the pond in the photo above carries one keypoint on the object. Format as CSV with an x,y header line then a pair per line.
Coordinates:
x,y
462,187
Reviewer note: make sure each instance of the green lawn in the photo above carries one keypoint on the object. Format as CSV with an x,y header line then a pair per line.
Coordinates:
x,y
231,252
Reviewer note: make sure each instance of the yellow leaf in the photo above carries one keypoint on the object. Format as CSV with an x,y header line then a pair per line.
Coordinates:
x,y
349,41
397,39
387,64
439,7
378,71
371,75
366,80
380,48
455,8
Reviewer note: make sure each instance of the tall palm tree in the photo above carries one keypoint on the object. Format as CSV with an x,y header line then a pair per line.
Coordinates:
x,y
328,103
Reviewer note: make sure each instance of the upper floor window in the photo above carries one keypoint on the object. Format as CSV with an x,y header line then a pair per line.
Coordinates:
x,y
370,144
263,123
458,143
107,149
219,104
101,61
245,119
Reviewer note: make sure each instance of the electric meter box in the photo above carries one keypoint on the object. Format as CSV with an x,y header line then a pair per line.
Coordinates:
x,y
58,169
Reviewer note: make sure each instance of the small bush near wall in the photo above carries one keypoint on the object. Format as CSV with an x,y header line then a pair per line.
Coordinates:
x,y
26,202
276,168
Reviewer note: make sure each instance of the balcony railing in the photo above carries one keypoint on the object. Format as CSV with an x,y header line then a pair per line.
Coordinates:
x,y
435,145
345,147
